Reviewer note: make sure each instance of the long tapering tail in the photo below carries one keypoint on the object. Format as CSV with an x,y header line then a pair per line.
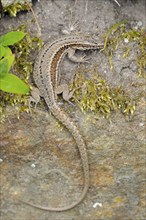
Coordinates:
x,y
66,121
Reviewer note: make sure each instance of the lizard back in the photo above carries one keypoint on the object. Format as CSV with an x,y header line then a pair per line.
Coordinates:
x,y
45,74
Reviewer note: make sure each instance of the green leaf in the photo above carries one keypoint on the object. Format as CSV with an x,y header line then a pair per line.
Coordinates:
x,y
11,83
4,51
11,38
5,65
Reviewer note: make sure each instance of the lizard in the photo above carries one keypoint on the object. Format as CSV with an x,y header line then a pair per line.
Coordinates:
x,y
46,76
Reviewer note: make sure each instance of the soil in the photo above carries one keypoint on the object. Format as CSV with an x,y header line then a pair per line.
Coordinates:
x,y
39,158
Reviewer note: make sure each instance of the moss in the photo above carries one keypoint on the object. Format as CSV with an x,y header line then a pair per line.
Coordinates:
x,y
141,58
22,50
23,68
121,34
95,95
13,9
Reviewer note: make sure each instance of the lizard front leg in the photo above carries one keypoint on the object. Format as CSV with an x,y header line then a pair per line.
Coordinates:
x,y
35,97
76,59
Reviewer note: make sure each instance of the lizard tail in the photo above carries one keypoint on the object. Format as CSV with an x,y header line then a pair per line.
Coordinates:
x,y
65,120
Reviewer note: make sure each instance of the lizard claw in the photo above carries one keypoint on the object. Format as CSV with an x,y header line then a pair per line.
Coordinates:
x,y
84,59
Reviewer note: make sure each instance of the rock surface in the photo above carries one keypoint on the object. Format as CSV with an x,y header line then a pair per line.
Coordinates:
x,y
39,159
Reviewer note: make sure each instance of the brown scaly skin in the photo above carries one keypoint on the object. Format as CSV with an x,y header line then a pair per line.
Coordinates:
x,y
46,76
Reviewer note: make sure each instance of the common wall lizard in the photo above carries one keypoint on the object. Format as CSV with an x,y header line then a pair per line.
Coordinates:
x,y
46,77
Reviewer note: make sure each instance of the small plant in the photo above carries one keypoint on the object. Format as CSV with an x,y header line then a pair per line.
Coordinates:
x,y
95,95
121,33
13,9
10,82
22,67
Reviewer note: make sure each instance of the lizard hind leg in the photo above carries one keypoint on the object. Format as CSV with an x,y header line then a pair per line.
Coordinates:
x,y
66,94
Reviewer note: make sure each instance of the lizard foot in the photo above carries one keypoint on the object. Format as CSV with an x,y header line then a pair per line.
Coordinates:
x,y
74,58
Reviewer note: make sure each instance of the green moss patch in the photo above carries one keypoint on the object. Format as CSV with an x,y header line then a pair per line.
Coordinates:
x,y
121,34
95,95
